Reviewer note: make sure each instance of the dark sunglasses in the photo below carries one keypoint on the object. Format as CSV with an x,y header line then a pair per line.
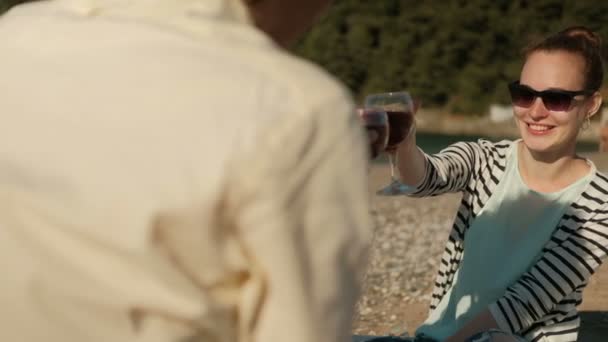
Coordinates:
x,y
554,100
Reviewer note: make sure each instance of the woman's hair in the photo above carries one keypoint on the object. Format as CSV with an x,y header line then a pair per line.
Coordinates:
x,y
579,40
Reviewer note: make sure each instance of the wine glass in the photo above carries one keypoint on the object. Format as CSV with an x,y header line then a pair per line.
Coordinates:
x,y
399,108
375,122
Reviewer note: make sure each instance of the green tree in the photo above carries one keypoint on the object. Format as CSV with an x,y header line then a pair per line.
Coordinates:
x,y
455,54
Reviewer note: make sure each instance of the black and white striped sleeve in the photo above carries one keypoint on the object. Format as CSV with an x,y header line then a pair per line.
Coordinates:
x,y
562,269
450,170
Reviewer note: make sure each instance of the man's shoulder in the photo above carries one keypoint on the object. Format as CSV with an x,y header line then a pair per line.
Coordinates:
x,y
199,53
306,81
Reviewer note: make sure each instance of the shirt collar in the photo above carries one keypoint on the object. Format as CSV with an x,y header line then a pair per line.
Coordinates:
x,y
222,19
231,10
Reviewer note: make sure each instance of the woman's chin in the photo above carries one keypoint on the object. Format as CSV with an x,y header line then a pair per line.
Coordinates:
x,y
538,144
554,142
548,147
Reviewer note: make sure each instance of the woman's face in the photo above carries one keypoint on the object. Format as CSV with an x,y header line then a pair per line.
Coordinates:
x,y
553,132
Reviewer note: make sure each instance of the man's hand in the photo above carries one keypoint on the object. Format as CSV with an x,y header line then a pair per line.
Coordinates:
x,y
372,137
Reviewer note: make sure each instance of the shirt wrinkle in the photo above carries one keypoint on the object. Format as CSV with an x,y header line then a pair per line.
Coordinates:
x,y
156,188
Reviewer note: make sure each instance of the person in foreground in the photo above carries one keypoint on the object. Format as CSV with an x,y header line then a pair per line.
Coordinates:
x,y
168,172
532,226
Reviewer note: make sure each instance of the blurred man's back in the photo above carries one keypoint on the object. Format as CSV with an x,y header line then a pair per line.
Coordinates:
x,y
168,172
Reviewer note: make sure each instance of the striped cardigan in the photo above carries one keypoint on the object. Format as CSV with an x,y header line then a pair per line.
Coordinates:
x,y
541,304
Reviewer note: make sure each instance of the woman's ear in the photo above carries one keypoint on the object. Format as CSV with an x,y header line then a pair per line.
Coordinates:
x,y
596,103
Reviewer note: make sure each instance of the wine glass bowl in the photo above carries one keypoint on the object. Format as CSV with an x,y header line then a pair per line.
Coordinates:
x,y
375,122
399,108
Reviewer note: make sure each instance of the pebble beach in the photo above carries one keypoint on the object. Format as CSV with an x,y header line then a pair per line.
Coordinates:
x,y
409,237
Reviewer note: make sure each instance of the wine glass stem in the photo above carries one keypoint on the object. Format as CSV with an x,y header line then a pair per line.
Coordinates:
x,y
392,159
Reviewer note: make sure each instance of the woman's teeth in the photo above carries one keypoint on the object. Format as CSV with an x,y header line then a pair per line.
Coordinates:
x,y
539,127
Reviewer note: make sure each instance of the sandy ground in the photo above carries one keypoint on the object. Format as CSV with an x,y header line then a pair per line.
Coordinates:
x,y
409,238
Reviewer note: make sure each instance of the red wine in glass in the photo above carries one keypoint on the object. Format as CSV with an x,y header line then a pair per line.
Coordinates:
x,y
399,107
400,123
376,124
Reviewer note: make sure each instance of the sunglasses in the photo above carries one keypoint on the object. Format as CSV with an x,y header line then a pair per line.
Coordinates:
x,y
554,100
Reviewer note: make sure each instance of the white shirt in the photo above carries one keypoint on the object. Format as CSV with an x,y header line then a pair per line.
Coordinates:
x,y
167,172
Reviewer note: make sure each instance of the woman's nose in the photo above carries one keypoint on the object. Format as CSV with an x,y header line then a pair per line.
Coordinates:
x,y
538,110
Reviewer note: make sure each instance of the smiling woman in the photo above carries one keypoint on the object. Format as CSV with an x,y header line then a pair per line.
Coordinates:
x,y
531,208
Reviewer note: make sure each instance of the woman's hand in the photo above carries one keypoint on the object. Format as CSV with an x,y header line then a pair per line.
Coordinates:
x,y
410,138
410,159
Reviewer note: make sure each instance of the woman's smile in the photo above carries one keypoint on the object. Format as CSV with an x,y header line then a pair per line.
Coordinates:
x,y
540,129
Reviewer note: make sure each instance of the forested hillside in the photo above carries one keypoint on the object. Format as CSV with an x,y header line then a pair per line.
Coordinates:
x,y
453,54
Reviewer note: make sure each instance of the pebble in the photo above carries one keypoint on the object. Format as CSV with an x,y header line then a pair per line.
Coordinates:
x,y
409,238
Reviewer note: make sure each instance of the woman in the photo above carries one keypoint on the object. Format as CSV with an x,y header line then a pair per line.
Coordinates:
x,y
532,226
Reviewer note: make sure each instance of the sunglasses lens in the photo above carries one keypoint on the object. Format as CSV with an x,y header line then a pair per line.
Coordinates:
x,y
557,101
521,96
524,97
